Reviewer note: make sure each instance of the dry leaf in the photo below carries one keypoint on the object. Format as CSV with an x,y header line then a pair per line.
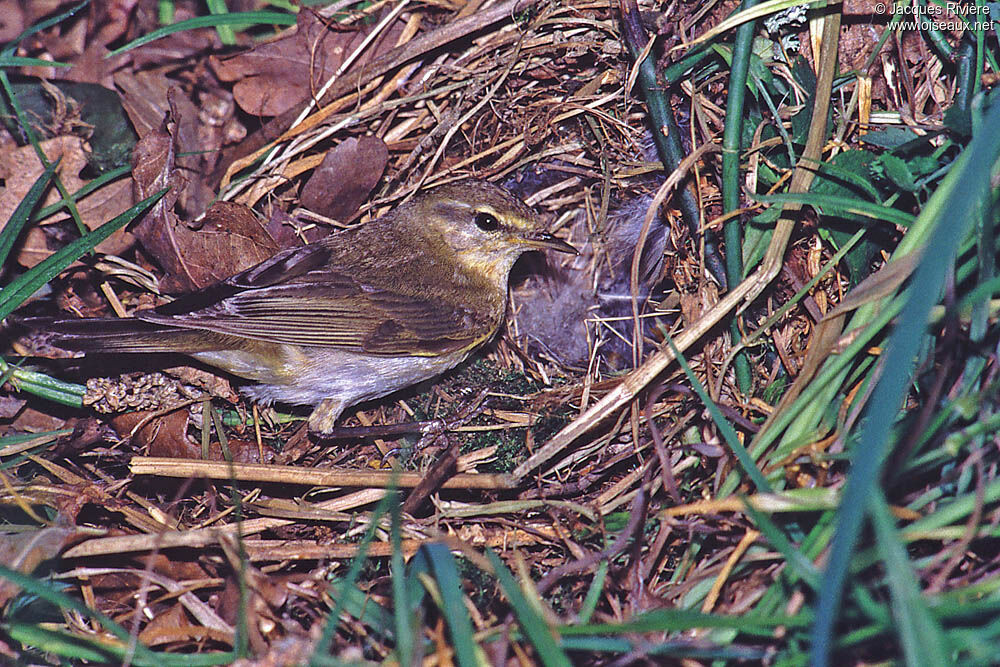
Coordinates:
x,y
13,20
20,168
167,436
274,76
163,436
230,237
345,179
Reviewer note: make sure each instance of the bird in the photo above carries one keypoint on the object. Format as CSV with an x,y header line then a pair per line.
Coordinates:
x,y
355,316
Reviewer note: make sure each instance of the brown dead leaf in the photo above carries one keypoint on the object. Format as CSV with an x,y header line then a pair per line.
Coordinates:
x,y
153,169
144,98
12,22
10,406
274,76
345,179
30,420
164,626
231,239
106,22
167,436
20,168
149,99
87,432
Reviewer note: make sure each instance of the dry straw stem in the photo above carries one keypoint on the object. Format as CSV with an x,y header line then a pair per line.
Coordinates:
x,y
713,595
280,474
799,500
204,537
349,84
743,294
278,162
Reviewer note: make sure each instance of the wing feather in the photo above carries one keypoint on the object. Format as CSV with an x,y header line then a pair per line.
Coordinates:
x,y
327,308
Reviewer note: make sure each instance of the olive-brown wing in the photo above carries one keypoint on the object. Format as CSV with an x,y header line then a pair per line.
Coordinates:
x,y
328,308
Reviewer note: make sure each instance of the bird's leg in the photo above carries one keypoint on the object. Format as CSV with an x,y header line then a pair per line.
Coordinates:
x,y
324,416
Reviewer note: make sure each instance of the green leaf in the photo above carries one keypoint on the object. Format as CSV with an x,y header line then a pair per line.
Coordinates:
x,y
757,236
853,207
109,133
890,137
17,61
847,175
898,172
44,386
919,632
452,603
677,620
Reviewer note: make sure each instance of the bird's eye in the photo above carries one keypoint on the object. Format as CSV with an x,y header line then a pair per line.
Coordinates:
x,y
487,221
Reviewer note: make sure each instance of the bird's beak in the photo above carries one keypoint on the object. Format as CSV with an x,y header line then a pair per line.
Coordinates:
x,y
546,240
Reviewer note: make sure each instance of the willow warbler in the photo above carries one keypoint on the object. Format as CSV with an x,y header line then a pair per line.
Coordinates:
x,y
355,316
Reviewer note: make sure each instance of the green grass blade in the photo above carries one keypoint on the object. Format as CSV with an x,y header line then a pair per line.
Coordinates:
x,y
48,593
22,287
237,18
65,645
42,385
532,623
89,187
452,603
18,61
12,230
920,635
957,203
11,46
589,605
26,127
796,560
725,428
82,648
842,206
402,619
677,620
225,32
321,655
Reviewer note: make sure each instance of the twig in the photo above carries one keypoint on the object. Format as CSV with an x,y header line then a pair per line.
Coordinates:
x,y
281,474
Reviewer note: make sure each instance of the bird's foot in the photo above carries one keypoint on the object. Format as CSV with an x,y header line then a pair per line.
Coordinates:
x,y
324,416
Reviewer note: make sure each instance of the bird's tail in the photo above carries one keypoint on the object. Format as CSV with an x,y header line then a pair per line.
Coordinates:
x,y
110,335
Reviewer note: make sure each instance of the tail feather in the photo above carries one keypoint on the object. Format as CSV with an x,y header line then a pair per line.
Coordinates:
x,y
123,335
